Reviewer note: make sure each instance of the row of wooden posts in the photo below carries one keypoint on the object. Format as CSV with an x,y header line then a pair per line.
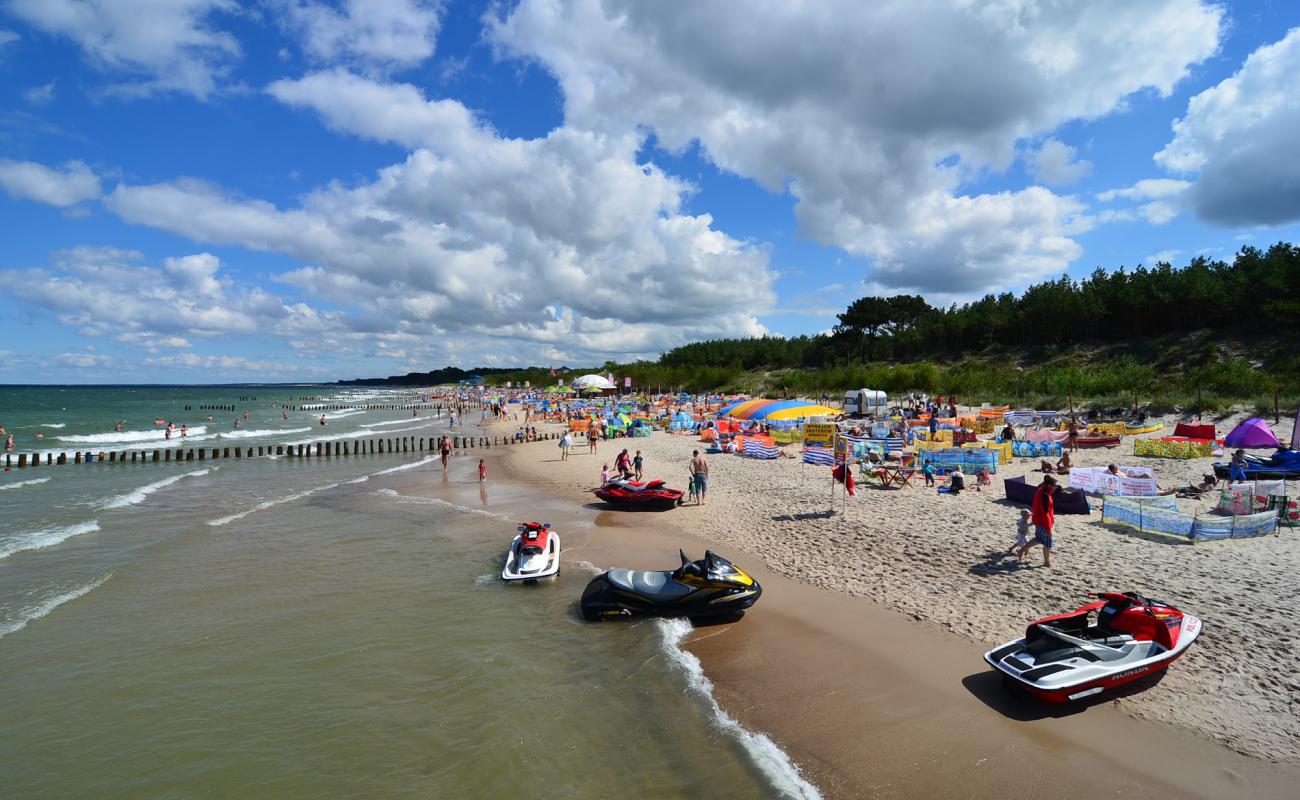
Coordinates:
x,y
404,444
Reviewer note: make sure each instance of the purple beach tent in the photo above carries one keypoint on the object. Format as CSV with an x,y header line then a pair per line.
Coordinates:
x,y
1253,432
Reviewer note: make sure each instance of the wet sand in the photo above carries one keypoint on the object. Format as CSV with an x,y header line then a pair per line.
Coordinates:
x,y
873,702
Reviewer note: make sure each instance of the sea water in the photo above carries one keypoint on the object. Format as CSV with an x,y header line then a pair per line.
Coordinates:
x,y
285,628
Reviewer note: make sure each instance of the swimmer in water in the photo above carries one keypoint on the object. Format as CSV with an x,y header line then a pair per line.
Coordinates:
x,y
322,419
185,430
284,414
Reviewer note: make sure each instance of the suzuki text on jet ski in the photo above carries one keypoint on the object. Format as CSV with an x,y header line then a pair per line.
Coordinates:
x,y
648,495
1068,657
709,587
534,553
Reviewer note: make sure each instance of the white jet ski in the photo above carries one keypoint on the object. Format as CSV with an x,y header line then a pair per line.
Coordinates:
x,y
534,553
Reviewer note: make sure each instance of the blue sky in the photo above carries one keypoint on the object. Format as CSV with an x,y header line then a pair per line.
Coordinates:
x,y
205,190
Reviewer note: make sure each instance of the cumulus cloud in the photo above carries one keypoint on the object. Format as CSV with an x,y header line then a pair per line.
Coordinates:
x,y
108,292
64,187
378,34
158,45
879,126
563,242
1159,200
1056,163
1239,139
7,37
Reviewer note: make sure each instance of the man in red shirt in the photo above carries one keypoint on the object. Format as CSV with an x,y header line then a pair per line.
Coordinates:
x,y
1043,517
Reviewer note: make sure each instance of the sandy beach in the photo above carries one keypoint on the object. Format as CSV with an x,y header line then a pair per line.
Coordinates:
x,y
863,658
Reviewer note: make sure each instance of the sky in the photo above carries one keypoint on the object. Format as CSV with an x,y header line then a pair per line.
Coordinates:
x,y
197,191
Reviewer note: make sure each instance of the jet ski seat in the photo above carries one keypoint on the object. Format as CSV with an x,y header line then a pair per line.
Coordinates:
x,y
650,584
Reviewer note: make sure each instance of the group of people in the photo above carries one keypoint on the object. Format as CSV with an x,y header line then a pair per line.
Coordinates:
x,y
627,466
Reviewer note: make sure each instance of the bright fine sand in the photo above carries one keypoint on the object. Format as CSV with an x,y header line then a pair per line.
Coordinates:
x,y
863,657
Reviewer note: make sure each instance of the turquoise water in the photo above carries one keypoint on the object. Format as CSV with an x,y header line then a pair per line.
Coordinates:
x,y
287,628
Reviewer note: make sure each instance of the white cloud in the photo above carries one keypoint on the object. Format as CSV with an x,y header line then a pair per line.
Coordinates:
x,y
1162,257
159,45
1056,163
107,292
563,243
367,33
8,37
1239,139
64,187
386,112
40,95
878,126
1167,199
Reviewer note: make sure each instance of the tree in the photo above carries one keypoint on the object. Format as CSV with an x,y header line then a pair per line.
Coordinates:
x,y
865,317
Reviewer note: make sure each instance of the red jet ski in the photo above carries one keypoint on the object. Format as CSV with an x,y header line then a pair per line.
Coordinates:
x,y
633,495
1070,656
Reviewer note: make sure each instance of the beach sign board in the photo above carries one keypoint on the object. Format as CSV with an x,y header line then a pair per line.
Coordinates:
x,y
627,382
819,434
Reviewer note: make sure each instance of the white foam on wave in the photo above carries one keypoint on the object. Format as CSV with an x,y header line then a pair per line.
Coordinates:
x,y
434,501
19,484
218,522
252,434
329,415
54,424
404,467
388,422
45,537
331,436
136,497
128,437
770,759
35,612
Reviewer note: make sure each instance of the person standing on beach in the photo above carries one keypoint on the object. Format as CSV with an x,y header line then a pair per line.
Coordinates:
x,y
444,449
623,464
566,441
593,436
700,474
1072,437
1043,515
482,470
637,464
934,427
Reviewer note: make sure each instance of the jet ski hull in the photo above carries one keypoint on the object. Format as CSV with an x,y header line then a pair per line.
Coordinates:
x,y
709,588
532,567
1062,659
648,499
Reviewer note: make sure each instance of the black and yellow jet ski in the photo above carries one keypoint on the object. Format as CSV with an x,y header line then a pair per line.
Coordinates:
x,y
709,587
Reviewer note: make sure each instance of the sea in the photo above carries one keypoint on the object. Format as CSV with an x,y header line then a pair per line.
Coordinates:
x,y
306,628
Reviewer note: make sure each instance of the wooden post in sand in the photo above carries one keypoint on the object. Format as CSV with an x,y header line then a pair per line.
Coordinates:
x,y
22,460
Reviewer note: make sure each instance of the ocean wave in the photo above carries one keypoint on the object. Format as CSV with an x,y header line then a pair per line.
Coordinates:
x,y
35,612
405,467
331,436
388,422
128,437
45,537
251,434
32,482
434,501
138,496
770,759
54,424
219,521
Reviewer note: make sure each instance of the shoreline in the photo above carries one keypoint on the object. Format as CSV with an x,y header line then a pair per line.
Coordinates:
x,y
871,700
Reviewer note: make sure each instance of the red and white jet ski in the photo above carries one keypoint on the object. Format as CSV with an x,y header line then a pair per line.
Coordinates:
x,y
1068,657
534,553
631,494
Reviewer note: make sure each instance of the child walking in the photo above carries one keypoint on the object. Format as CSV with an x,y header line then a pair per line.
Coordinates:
x,y
482,470
928,471
1022,534
604,475
691,493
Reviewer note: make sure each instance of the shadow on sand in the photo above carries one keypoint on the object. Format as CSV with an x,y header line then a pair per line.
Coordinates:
x,y
996,691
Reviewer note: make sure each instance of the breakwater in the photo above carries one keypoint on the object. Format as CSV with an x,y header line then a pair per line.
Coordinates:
x,y
326,448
